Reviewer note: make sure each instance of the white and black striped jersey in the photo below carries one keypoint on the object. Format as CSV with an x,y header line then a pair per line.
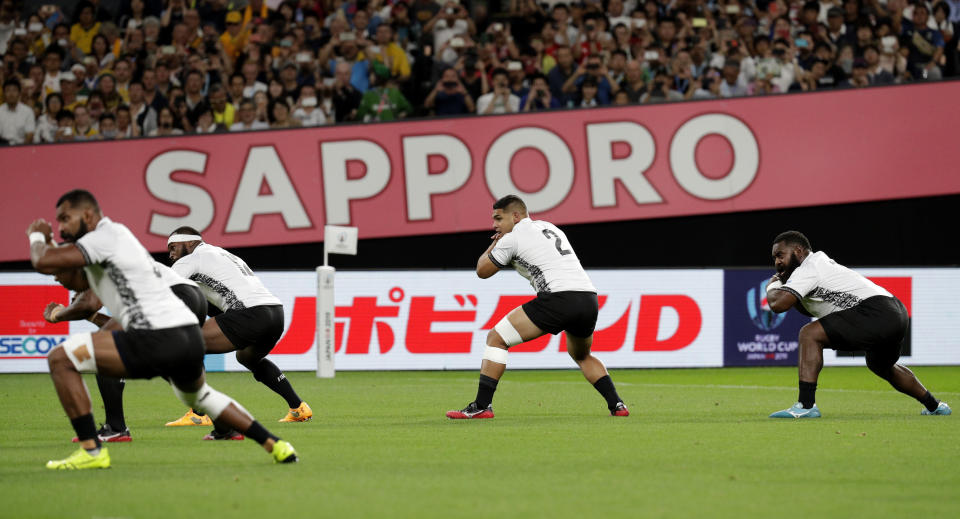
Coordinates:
x,y
171,278
824,286
226,280
128,281
540,252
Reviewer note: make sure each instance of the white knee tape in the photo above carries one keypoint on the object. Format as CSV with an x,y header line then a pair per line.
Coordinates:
x,y
509,334
79,349
498,355
207,400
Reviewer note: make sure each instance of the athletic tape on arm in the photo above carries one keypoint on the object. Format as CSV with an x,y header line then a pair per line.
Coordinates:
x,y
79,349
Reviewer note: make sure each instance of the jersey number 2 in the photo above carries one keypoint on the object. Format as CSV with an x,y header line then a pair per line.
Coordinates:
x,y
550,235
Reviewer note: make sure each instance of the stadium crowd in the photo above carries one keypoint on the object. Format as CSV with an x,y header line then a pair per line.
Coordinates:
x,y
119,69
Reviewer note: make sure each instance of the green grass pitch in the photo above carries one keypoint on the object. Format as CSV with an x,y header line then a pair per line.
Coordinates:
x,y
699,444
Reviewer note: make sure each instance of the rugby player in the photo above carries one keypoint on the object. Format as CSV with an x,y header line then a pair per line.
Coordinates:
x,y
852,312
250,321
85,306
566,301
160,336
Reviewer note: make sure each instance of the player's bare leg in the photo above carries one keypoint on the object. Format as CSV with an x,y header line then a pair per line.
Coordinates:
x,y
813,339
264,371
903,380
88,352
595,373
229,414
515,328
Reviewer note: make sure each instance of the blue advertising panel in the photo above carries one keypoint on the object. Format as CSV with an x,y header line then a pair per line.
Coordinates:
x,y
752,334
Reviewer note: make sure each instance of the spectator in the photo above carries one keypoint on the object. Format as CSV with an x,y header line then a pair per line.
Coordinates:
x,y
875,73
384,102
65,122
123,75
592,67
388,52
144,115
235,89
85,28
101,51
946,25
84,128
261,103
559,75
52,62
68,91
307,109
925,44
859,77
108,126
107,87
449,96
500,100
633,83
346,97
288,81
46,127
279,112
449,22
17,122
223,112
732,84
251,83
248,118
539,96
165,124
234,39
360,66
661,88
125,126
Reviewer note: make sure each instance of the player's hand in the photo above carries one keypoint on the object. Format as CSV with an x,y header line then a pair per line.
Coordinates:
x,y
496,237
51,311
40,225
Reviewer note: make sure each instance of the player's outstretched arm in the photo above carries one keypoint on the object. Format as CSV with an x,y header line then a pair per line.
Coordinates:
x,y
46,256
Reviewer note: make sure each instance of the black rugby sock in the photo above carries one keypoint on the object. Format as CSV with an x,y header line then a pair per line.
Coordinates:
x,y
268,374
111,390
485,391
808,392
606,388
85,428
929,401
258,433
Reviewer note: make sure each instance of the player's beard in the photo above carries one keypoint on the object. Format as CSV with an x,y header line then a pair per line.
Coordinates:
x,y
789,267
72,238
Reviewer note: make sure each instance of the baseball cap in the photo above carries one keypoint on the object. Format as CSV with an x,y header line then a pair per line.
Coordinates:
x,y
77,66
234,17
67,76
834,11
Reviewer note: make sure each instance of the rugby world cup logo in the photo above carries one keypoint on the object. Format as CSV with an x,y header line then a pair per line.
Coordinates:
x,y
760,313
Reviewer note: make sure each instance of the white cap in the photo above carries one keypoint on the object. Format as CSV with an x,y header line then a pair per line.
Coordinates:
x,y
67,76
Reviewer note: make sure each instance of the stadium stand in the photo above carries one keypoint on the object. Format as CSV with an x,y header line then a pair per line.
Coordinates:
x,y
114,70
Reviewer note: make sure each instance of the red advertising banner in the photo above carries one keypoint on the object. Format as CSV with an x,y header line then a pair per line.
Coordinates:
x,y
442,175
